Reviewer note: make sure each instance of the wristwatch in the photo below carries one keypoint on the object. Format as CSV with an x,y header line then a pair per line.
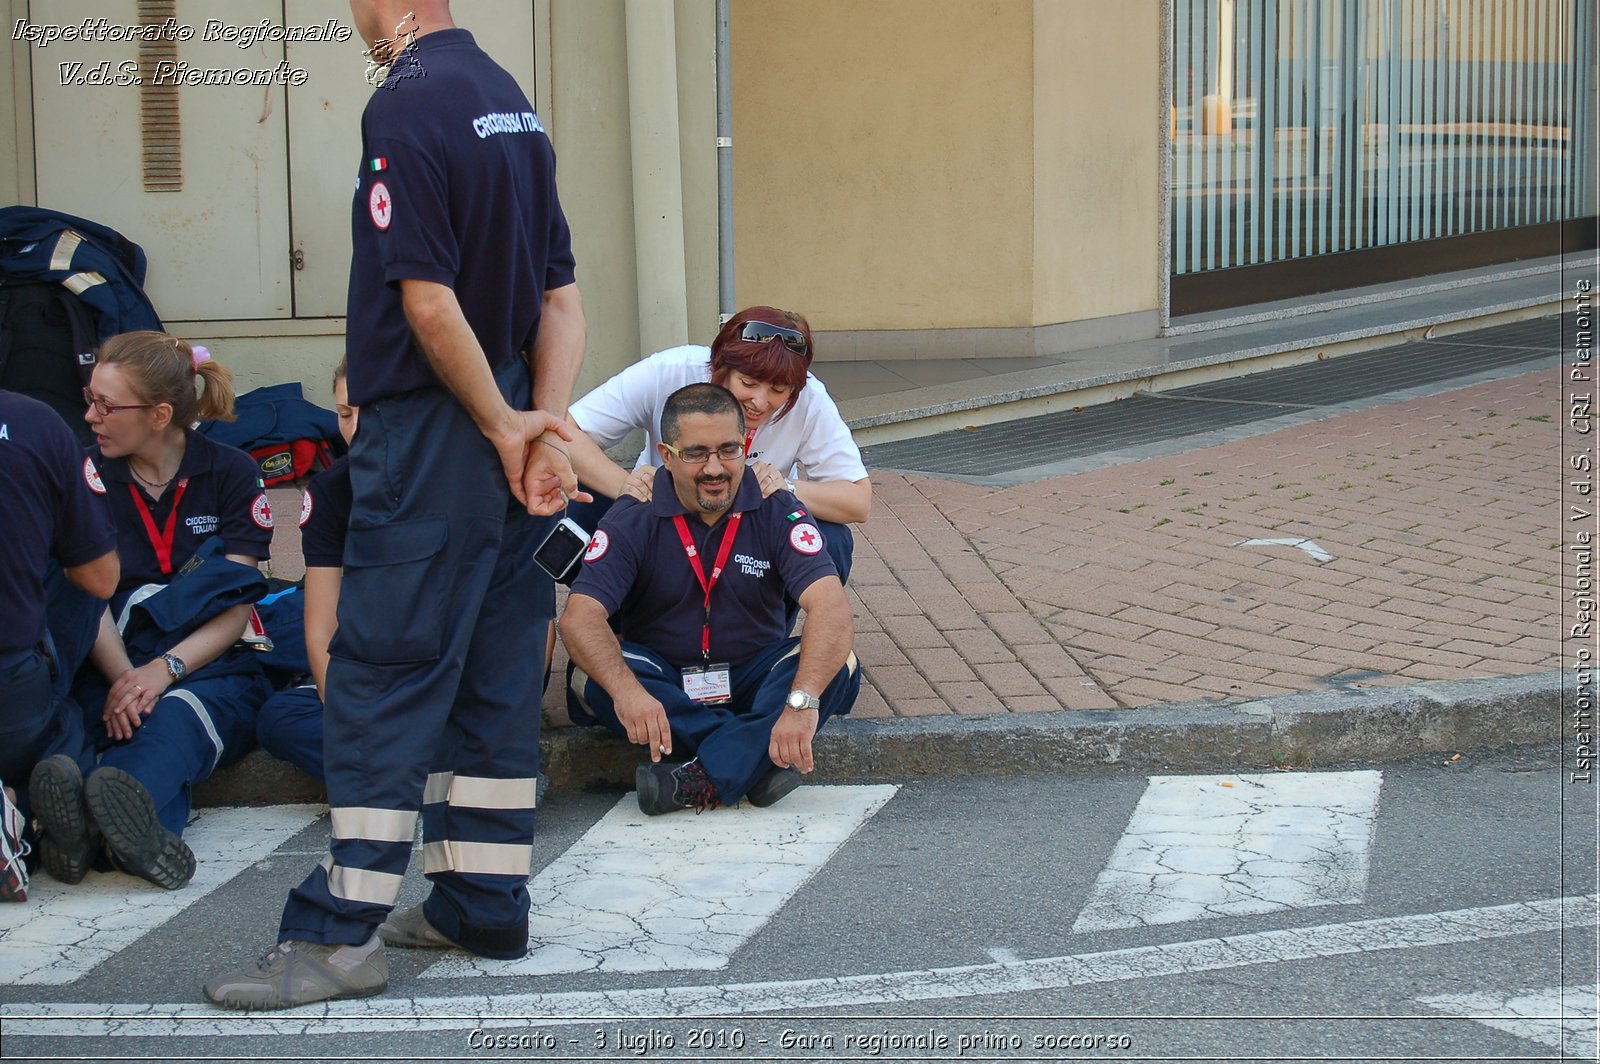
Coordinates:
x,y
175,667
799,699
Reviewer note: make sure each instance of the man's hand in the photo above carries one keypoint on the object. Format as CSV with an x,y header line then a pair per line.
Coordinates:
x,y
132,696
534,459
441,331
790,746
646,722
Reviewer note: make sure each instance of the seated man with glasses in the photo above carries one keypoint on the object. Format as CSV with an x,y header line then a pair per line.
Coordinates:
x,y
696,581
794,436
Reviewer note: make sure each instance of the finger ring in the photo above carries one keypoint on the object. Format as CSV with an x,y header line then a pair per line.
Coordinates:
x,y
136,687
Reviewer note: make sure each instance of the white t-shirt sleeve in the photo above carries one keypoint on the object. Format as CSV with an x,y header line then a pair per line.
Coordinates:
x,y
633,398
826,449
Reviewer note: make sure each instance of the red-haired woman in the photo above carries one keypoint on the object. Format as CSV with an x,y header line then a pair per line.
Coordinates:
x,y
179,695
795,438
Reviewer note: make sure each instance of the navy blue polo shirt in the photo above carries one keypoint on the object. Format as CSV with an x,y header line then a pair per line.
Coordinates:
x,y
325,516
221,497
636,567
453,159
48,511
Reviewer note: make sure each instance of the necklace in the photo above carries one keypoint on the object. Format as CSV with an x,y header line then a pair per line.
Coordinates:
x,y
157,485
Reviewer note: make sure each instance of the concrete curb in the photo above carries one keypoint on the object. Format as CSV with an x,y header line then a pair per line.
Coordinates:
x,y
1355,725
1373,724
1164,360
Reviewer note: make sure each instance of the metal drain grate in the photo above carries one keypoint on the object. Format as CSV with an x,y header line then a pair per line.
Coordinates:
x,y
1537,334
994,450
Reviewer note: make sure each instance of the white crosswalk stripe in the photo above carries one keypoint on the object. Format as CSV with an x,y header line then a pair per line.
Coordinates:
x,y
1205,847
654,894
1563,1018
637,895
62,933
463,1012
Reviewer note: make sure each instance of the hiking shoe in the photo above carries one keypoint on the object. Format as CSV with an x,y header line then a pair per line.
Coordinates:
x,y
411,930
773,785
126,815
67,837
300,973
664,788
13,848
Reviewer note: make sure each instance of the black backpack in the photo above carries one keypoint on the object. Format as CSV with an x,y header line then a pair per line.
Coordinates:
x,y
47,342
66,284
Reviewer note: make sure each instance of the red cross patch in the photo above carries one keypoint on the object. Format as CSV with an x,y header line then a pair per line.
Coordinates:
x,y
805,538
381,205
305,508
92,476
261,512
597,546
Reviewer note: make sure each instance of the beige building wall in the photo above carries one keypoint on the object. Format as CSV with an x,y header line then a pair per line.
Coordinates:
x,y
588,121
16,123
606,87
1097,164
920,177
882,161
572,56
604,173
697,123
949,178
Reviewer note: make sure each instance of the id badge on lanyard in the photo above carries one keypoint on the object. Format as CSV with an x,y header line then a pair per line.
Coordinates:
x,y
710,684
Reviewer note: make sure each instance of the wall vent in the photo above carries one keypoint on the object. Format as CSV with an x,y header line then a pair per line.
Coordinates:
x,y
160,132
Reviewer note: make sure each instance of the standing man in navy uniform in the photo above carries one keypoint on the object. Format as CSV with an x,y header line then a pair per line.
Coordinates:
x,y
49,512
696,579
462,275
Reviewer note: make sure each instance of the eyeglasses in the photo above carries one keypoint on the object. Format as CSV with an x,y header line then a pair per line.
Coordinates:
x,y
106,409
759,332
728,452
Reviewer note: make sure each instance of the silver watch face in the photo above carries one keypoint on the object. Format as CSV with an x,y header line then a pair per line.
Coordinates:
x,y
797,699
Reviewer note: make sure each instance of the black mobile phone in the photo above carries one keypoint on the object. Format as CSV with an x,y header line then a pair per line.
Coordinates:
x,y
562,550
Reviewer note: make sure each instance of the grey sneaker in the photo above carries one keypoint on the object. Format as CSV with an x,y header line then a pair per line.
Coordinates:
x,y
67,838
301,973
411,930
773,785
126,815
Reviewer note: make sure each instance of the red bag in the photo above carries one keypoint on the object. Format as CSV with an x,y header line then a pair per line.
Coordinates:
x,y
282,463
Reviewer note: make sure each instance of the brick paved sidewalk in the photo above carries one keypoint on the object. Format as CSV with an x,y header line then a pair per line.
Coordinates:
x,y
1132,585
1129,586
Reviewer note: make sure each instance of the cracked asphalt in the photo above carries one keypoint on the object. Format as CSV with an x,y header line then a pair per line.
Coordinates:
x,y
951,910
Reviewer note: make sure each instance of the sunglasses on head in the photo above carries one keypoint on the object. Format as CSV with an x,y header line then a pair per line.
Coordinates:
x,y
759,332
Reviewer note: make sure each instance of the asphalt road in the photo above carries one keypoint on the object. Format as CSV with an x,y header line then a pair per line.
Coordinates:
x,y
1439,907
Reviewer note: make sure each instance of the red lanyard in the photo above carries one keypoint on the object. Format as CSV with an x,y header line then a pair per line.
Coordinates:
x,y
749,438
161,542
716,570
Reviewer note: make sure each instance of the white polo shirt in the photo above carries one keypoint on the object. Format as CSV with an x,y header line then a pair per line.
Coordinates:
x,y
811,437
